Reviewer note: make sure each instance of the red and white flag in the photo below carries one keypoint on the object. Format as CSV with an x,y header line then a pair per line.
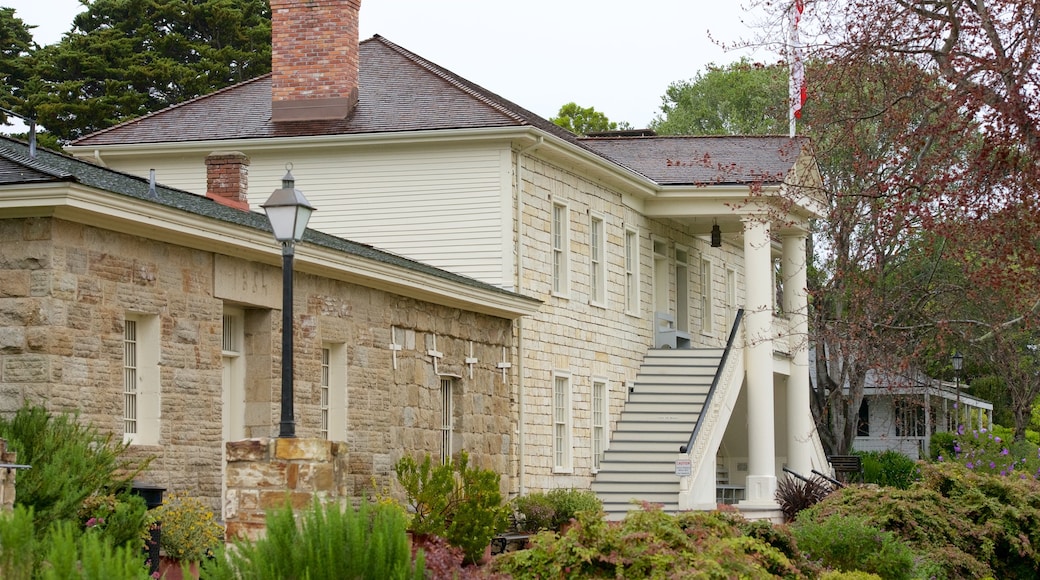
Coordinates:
x,y
797,81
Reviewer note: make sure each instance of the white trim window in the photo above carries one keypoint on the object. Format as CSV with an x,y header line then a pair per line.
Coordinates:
x,y
707,298
130,378
731,295
447,419
560,236
333,391
682,289
597,260
632,271
561,409
323,390
141,405
600,395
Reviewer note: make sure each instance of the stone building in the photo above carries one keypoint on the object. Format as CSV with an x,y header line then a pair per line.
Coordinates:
x,y
635,244
156,313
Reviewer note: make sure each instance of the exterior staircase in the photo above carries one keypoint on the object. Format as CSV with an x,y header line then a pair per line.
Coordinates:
x,y
664,405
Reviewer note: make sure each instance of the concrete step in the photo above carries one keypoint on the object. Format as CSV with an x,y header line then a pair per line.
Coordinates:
x,y
660,404
677,415
683,353
644,489
659,472
614,456
633,445
660,439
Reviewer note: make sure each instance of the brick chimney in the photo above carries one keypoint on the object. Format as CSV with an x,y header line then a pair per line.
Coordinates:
x,y
227,178
314,59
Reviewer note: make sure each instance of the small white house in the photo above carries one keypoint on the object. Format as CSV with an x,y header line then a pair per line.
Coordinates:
x,y
901,413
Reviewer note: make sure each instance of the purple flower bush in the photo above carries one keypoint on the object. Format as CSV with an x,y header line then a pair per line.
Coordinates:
x,y
984,451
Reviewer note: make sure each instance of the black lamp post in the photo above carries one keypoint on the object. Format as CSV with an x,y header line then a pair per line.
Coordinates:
x,y
958,366
288,211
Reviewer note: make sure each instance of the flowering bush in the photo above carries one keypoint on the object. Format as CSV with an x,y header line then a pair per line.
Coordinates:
x,y
987,452
189,530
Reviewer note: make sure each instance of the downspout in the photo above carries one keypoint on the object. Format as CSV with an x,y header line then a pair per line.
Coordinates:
x,y
519,220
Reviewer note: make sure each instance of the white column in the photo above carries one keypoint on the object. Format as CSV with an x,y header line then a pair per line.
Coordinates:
x,y
796,305
758,323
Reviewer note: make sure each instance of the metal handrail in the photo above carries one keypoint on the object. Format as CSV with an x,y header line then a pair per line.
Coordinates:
x,y
715,381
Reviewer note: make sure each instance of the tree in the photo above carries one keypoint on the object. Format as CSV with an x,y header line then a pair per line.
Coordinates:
x,y
16,48
741,98
125,58
584,120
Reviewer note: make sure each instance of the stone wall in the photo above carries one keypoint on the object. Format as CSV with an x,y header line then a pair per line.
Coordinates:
x,y
264,474
585,341
68,289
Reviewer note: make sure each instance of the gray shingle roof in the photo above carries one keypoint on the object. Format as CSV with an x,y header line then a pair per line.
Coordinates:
x,y
55,167
398,91
703,160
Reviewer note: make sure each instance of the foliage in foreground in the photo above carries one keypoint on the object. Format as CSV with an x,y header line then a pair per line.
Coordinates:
x,y
330,541
651,544
849,543
455,501
189,530
794,494
77,474
960,523
551,510
65,552
889,468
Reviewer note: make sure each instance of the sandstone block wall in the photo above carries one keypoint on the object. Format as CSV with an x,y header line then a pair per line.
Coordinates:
x,y
587,341
68,289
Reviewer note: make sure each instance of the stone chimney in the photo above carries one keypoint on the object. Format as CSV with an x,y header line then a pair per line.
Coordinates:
x,y
314,59
227,178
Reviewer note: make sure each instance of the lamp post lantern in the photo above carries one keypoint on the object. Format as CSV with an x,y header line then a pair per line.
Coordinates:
x,y
288,211
958,366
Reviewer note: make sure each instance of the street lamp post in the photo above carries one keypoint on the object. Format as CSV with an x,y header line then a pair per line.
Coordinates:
x,y
288,211
958,366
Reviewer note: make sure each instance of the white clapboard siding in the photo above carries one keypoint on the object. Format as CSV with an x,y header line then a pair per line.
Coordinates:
x,y
450,206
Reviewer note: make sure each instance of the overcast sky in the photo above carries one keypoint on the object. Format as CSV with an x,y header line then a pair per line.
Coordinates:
x,y
617,56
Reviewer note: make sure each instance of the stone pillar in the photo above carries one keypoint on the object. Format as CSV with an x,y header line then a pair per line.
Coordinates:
x,y
7,477
800,424
263,474
758,323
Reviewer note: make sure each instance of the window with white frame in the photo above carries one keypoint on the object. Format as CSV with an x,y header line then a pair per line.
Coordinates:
x,y
323,389
707,301
597,261
447,418
130,378
632,271
682,290
560,242
561,422
731,295
599,420
333,391
141,379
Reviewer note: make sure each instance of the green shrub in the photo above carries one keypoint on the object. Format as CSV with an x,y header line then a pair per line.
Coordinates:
x,y
65,552
940,446
70,462
331,541
850,543
994,452
568,503
552,510
459,503
74,554
650,544
124,519
961,523
889,468
534,512
18,544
